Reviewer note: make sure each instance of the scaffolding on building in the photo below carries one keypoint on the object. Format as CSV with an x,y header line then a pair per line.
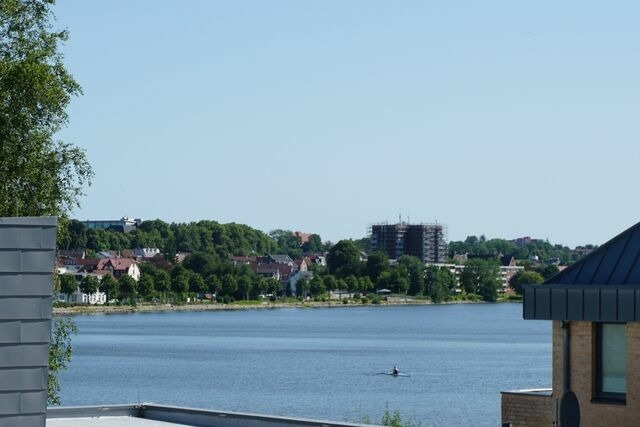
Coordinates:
x,y
427,241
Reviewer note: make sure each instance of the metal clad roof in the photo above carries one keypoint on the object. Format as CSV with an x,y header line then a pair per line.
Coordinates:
x,y
594,303
604,286
627,258
612,263
613,252
589,269
567,275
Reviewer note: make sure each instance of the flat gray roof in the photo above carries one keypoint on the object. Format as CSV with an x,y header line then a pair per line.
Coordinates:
x,y
108,422
150,415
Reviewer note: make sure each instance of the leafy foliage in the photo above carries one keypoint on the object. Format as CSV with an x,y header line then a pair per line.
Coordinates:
x,y
480,277
60,351
40,176
524,277
89,285
394,419
439,283
344,259
536,248
377,262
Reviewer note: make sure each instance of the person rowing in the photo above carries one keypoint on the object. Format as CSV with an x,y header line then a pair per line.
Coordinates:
x,y
394,371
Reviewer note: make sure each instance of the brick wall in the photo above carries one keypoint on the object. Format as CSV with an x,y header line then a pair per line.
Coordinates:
x,y
521,409
27,253
583,356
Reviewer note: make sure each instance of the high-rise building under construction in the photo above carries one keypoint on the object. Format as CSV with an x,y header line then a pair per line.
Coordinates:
x,y
424,241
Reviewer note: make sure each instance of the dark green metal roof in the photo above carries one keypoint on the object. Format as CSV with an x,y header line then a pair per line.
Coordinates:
x,y
603,286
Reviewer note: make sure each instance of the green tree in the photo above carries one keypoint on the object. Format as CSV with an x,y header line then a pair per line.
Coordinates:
x,y
439,283
488,289
74,235
60,351
89,285
68,284
395,279
128,286
180,280
316,286
415,270
352,283
366,285
214,284
145,285
197,285
343,259
40,175
273,287
363,244
377,262
229,284
109,285
313,244
523,277
330,282
303,287
161,281
481,277
288,242
244,286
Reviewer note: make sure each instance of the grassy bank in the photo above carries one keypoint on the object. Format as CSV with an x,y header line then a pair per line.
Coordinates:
x,y
69,310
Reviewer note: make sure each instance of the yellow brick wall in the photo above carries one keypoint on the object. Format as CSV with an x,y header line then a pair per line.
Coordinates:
x,y
582,354
524,410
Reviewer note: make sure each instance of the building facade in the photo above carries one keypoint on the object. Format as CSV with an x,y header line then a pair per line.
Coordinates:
x,y
594,306
424,241
123,225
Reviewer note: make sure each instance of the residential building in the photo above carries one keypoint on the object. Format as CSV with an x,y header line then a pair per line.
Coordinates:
x,y
295,278
146,252
504,275
521,242
508,269
119,267
424,241
318,259
304,237
278,267
594,306
78,297
115,266
123,225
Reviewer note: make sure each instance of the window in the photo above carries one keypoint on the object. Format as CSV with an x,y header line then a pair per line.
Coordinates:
x,y
612,361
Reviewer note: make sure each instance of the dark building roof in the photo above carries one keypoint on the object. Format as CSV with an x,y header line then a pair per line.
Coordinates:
x,y
603,286
507,260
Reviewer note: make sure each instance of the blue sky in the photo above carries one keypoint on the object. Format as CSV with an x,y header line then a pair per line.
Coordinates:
x,y
499,118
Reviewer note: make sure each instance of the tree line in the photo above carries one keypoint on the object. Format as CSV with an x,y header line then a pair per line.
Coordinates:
x,y
542,249
205,236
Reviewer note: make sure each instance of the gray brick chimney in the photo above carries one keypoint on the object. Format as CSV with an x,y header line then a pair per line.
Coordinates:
x,y
27,256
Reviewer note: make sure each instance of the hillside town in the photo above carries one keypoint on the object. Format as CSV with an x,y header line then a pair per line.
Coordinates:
x,y
401,258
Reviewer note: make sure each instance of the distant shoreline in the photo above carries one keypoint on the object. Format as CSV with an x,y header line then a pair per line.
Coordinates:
x,y
107,309
144,308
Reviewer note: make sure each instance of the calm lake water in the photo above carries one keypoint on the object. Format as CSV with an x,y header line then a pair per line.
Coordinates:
x,y
322,363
